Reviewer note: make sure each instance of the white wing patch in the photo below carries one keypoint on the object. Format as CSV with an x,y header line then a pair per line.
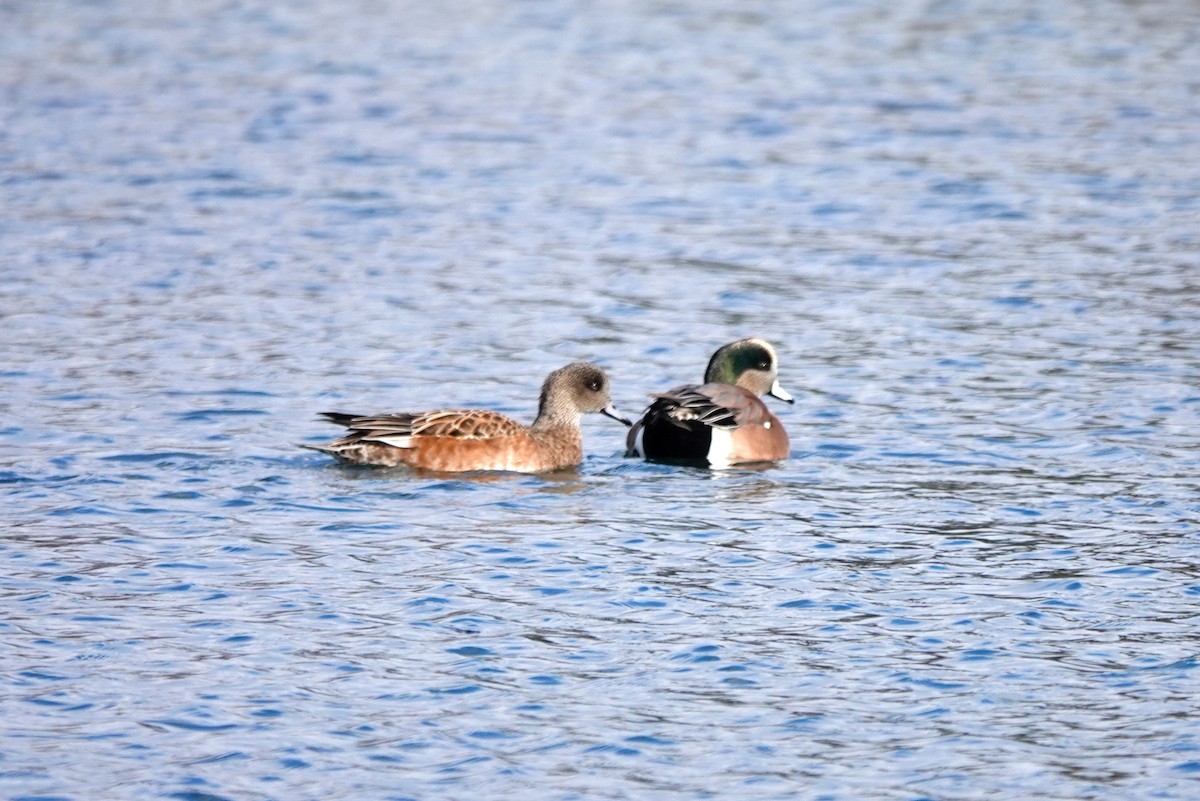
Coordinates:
x,y
395,440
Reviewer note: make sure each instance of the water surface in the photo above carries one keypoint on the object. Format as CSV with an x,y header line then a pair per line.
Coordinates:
x,y
970,230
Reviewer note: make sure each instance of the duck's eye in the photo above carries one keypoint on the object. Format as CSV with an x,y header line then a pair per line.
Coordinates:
x,y
764,365
594,386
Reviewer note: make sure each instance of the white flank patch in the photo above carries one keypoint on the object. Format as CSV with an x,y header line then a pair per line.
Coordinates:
x,y
638,447
720,450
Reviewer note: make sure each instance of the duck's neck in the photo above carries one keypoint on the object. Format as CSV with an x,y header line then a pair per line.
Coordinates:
x,y
552,415
557,432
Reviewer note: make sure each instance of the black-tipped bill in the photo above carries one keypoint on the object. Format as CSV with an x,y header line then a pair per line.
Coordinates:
x,y
781,393
611,411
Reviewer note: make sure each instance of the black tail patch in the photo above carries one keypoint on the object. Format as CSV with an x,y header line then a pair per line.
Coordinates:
x,y
667,439
341,418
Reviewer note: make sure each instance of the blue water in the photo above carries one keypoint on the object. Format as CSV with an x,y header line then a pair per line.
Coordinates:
x,y
971,230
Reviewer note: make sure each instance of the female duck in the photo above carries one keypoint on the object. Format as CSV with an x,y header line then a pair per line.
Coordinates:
x,y
461,440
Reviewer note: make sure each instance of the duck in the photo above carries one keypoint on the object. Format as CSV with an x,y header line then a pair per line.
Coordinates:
x,y
722,422
467,440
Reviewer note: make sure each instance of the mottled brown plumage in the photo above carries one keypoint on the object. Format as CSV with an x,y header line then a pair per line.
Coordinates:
x,y
460,440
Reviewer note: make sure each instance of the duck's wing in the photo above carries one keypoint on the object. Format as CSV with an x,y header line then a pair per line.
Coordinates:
x,y
398,428
465,424
717,405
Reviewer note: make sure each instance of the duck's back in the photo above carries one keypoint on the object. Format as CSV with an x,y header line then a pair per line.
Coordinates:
x,y
719,424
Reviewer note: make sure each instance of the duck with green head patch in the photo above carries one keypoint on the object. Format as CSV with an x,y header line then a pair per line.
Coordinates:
x,y
723,421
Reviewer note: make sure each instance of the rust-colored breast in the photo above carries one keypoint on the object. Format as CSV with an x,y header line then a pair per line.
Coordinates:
x,y
522,451
761,440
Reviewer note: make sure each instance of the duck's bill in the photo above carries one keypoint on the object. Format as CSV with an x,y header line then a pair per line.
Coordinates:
x,y
611,411
781,393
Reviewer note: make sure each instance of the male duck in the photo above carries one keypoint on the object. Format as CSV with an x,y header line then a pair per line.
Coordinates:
x,y
460,440
721,422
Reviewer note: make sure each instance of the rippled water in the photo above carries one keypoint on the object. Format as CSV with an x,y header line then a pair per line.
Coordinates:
x,y
970,228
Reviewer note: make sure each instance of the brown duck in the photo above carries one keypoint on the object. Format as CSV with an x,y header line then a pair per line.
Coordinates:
x,y
461,440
